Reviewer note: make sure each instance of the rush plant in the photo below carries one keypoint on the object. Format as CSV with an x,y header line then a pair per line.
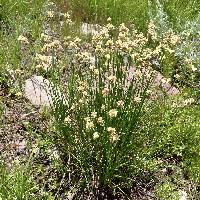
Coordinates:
x,y
97,123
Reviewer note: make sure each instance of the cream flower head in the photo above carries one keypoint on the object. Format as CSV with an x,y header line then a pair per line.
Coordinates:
x,y
23,39
94,114
111,78
113,135
137,99
89,125
100,121
113,113
95,135
120,104
105,91
50,13
67,119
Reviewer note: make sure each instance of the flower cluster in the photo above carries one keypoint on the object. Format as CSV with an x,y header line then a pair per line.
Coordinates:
x,y
110,76
23,39
112,113
47,57
152,30
45,61
52,45
68,19
50,14
113,135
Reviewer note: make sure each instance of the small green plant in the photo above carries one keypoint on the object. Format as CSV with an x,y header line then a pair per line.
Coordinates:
x,y
173,133
16,184
167,191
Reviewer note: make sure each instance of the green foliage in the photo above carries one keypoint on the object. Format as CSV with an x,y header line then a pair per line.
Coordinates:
x,y
136,12
174,132
103,147
108,129
18,17
17,184
180,11
167,191
97,126
119,10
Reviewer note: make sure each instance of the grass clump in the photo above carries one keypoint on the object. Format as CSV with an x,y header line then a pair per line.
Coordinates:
x,y
18,182
98,127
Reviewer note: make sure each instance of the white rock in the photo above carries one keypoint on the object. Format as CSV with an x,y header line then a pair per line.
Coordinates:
x,y
183,195
40,91
92,29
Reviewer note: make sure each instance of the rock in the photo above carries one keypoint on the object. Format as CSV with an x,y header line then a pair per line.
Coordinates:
x,y
40,91
159,81
183,195
90,29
